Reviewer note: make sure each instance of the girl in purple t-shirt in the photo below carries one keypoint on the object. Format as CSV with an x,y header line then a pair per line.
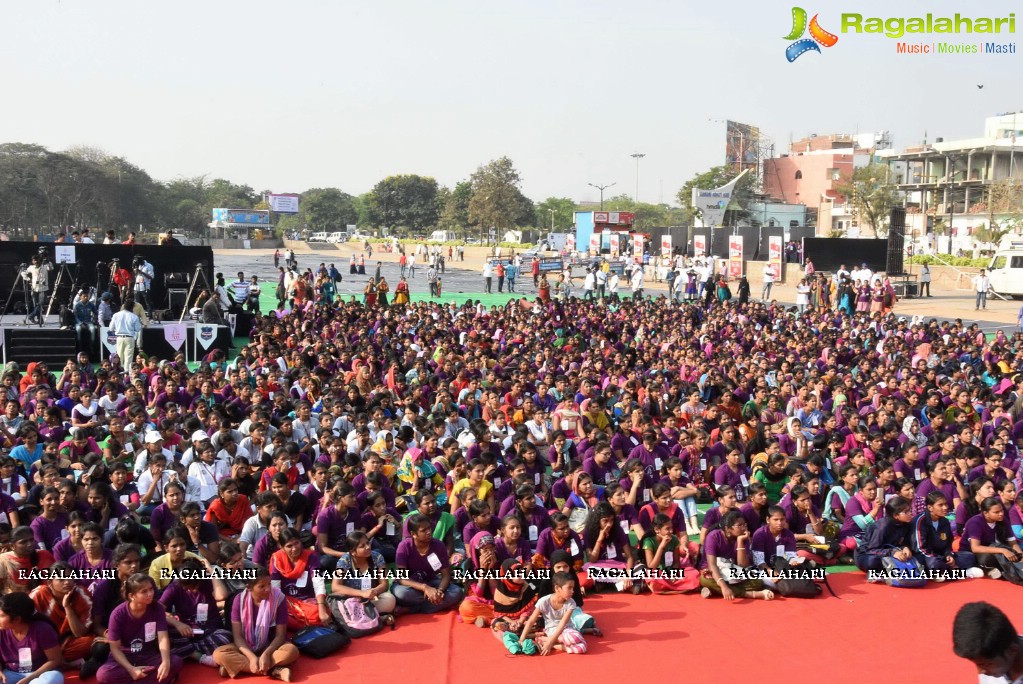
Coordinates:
x,y
727,551
140,647
192,605
28,645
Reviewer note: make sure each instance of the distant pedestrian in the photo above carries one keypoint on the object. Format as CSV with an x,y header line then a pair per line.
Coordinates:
x,y
277,258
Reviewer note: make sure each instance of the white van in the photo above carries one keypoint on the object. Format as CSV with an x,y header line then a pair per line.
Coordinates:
x,y
337,237
1006,271
317,237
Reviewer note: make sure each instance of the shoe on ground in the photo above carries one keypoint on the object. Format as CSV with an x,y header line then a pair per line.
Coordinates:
x,y
88,669
974,573
994,573
706,592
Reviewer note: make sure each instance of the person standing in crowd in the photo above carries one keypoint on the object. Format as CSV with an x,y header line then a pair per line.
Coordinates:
x,y
126,326
637,282
769,277
488,275
925,280
144,275
37,277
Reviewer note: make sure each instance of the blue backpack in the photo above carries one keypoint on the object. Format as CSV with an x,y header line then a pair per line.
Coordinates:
x,y
904,574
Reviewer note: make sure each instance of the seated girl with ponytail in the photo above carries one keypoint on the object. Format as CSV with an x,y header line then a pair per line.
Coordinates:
x,y
664,551
198,629
607,548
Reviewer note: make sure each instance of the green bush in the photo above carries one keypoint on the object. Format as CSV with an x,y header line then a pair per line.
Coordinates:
x,y
961,262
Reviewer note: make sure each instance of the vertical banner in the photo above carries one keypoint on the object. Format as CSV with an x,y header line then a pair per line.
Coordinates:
x,y
595,243
637,247
666,245
570,243
109,340
774,251
232,320
735,256
174,333
614,243
205,334
699,245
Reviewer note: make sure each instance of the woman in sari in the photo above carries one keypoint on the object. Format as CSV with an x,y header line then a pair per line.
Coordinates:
x,y
401,292
369,294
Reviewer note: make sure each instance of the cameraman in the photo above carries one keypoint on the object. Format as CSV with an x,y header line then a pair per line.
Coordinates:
x,y
143,282
38,274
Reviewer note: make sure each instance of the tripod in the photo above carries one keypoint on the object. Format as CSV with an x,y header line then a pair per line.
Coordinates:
x,y
200,274
64,271
26,290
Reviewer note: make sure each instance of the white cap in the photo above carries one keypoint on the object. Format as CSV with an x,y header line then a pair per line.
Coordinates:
x,y
152,437
199,436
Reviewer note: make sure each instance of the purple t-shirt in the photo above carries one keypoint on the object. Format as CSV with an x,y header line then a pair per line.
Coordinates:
x,y
613,545
40,637
766,543
601,474
106,566
547,544
195,608
421,568
137,635
720,547
521,550
161,521
914,473
734,479
49,532
302,586
336,526
981,530
280,619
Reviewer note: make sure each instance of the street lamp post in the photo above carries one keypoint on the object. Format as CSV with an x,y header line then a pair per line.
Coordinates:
x,y
552,219
637,156
602,188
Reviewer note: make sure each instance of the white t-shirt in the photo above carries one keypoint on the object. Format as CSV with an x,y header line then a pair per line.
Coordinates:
x,y
552,617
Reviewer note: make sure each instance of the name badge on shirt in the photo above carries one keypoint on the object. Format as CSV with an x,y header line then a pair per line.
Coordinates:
x,y
366,583
612,552
624,524
889,497
743,480
916,473
125,499
827,462
607,478
658,463
129,447
433,561
536,478
25,659
534,533
779,550
202,612
302,580
389,528
150,631
113,524
3,517
497,482
573,548
63,534
349,528
428,485
669,558
300,468
703,464
646,494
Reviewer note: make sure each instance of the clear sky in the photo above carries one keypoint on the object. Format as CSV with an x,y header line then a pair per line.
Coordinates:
x,y
313,93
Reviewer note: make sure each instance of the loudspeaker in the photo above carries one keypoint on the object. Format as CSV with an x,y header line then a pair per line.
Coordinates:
x,y
896,241
176,297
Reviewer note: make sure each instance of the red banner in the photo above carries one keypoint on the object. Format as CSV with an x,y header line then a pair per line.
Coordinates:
x,y
735,256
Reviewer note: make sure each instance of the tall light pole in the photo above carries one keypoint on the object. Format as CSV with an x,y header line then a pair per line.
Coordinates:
x,y
602,188
637,156
552,219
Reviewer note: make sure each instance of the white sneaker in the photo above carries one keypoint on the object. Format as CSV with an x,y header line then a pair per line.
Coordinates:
x,y
994,573
706,592
974,573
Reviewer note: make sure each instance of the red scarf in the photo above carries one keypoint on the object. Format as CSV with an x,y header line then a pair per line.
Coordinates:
x,y
284,565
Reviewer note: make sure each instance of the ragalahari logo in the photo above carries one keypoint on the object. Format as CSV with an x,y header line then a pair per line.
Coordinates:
x,y
818,36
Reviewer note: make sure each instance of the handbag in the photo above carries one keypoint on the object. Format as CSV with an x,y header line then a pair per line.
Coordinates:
x,y
795,587
319,642
354,617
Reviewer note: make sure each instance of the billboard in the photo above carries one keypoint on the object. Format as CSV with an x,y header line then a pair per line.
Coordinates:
x,y
735,256
666,245
699,246
713,202
255,217
742,147
284,204
614,218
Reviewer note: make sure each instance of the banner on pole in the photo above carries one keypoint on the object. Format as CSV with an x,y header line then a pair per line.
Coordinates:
x,y
665,245
774,255
232,320
595,243
613,240
699,245
570,243
174,333
205,334
637,247
109,340
735,256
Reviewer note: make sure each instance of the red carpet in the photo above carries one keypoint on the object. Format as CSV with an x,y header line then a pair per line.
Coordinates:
x,y
870,633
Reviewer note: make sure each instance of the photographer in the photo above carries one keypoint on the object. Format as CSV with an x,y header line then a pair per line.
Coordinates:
x,y
38,274
143,282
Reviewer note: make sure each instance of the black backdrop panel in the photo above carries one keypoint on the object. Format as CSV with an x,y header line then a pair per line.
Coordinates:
x,y
828,254
93,261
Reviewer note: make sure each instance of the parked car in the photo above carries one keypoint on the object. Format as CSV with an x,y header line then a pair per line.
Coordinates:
x,y
337,237
318,237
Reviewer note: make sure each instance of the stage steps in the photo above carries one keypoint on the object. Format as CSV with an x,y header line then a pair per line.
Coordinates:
x,y
48,344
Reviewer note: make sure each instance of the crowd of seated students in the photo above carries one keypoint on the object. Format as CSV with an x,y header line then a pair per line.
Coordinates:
x,y
433,441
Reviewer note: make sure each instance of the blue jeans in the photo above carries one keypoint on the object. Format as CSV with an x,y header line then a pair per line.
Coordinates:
x,y
981,300
51,677
416,602
688,506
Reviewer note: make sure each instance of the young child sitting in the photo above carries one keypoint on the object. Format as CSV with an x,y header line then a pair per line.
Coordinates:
x,y
556,611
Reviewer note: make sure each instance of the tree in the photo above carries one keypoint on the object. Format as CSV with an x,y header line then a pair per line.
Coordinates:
x,y
742,194
563,209
327,209
455,213
496,200
407,200
872,193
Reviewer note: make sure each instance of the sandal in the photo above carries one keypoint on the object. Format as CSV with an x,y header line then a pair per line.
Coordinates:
x,y
389,620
